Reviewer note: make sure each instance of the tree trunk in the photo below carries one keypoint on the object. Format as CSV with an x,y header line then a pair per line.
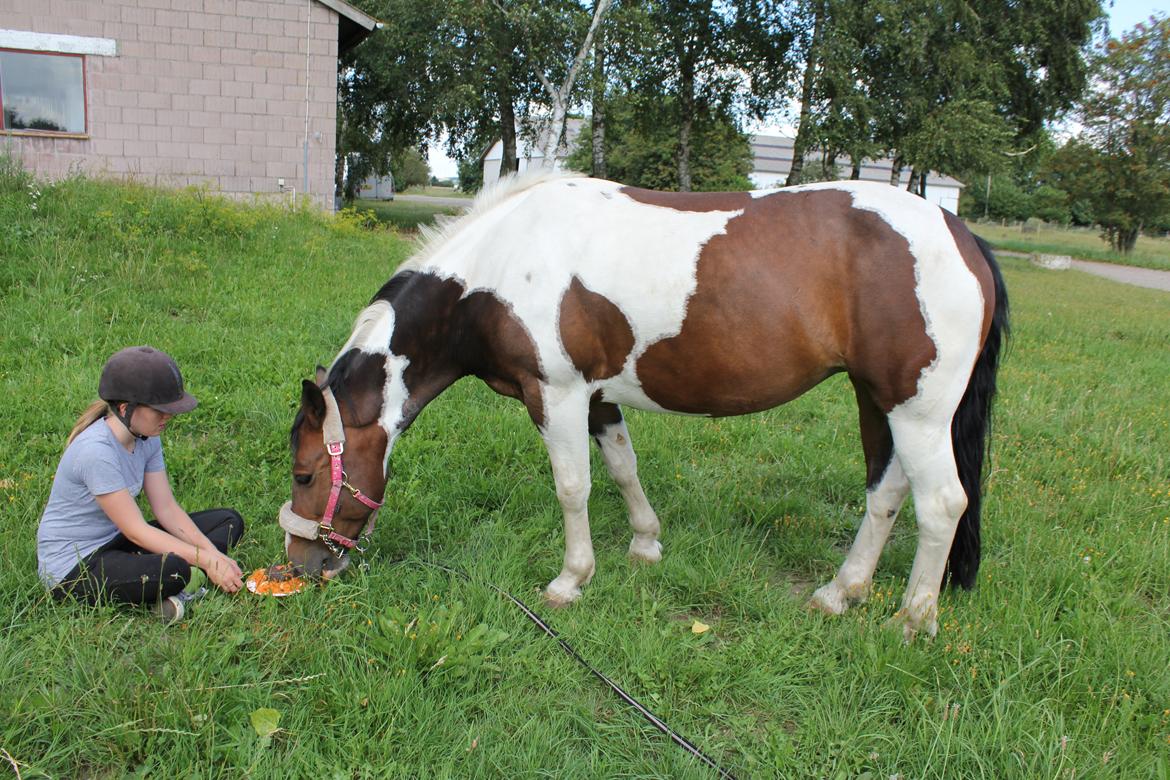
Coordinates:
x,y
1127,239
912,185
597,120
686,106
509,161
803,129
896,171
855,174
552,139
559,96
350,191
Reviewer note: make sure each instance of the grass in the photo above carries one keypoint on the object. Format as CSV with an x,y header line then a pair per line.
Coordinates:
x,y
438,192
1081,243
1055,666
403,215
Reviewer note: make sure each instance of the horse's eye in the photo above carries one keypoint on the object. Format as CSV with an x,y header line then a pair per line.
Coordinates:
x,y
303,479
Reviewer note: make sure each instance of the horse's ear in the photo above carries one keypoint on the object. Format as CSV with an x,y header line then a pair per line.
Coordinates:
x,y
322,376
312,403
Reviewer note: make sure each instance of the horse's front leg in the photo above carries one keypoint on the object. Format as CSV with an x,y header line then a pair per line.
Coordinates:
x,y
566,434
609,431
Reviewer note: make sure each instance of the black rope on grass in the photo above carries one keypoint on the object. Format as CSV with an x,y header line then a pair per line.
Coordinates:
x,y
657,722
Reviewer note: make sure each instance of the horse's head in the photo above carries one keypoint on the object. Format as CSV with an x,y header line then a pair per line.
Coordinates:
x,y
338,480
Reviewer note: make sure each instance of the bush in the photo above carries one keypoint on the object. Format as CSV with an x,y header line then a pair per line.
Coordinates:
x,y
1051,205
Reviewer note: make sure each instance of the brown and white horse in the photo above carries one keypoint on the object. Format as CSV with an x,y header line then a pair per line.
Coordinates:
x,y
578,295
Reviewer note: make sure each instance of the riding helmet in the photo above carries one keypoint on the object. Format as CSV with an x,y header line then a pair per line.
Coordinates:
x,y
145,376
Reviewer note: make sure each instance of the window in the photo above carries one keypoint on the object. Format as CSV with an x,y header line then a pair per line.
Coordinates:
x,y
42,92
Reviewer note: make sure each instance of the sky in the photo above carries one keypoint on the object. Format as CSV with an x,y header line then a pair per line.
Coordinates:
x,y
1124,15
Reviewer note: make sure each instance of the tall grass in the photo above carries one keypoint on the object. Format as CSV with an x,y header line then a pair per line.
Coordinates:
x,y
1055,666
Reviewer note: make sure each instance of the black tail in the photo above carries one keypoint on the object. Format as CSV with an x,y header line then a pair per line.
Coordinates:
x,y
971,435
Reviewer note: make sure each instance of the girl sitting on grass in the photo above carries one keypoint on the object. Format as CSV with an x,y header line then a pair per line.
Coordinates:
x,y
93,542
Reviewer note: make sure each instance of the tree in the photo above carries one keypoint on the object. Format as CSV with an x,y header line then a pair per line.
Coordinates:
x,y
642,151
389,90
551,129
1120,162
433,67
944,85
409,168
700,58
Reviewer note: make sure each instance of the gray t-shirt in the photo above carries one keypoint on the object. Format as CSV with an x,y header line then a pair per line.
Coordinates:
x,y
73,525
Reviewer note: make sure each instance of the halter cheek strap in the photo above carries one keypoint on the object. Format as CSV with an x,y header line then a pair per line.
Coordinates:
x,y
333,433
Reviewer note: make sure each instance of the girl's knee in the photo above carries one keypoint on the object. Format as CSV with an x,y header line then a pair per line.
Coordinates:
x,y
235,523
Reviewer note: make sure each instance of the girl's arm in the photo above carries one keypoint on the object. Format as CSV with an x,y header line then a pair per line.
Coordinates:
x,y
171,516
222,570
121,508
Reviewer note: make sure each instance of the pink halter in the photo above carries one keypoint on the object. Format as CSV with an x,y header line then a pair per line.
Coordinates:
x,y
333,433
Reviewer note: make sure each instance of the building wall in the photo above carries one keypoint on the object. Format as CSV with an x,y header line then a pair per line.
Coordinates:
x,y
530,154
772,159
200,92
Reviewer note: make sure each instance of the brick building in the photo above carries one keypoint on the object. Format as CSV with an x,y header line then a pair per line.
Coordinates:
x,y
237,95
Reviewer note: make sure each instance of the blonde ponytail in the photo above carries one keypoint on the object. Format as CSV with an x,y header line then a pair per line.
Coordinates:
x,y
94,412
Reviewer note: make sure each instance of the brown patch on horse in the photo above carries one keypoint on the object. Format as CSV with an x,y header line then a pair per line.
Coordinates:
x,y
690,201
975,261
800,286
596,335
877,442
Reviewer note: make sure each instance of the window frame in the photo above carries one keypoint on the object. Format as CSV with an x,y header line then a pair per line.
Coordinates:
x,y
22,131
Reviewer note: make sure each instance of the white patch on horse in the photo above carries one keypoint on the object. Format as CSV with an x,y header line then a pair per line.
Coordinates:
x,y
371,330
561,221
395,397
371,335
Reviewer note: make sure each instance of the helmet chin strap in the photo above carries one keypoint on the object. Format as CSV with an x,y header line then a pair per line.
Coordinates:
x,y
125,420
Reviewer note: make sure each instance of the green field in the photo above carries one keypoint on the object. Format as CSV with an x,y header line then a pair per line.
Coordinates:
x,y
403,215
1054,667
437,192
1081,243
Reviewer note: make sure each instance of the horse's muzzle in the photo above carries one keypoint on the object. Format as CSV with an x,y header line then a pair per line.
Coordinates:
x,y
308,554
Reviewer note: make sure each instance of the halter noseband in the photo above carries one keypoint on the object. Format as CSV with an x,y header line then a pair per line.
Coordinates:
x,y
333,432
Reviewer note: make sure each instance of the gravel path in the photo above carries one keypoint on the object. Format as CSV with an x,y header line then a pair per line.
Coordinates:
x,y
1126,274
1142,277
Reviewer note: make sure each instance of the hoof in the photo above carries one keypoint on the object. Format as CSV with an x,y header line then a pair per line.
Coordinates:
x,y
644,551
829,599
560,594
919,616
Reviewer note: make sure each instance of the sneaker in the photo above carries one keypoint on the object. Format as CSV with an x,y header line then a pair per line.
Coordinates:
x,y
171,609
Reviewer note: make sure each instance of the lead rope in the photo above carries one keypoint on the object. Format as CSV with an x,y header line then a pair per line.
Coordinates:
x,y
657,722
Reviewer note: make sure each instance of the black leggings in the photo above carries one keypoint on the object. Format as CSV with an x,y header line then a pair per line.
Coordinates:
x,y
123,572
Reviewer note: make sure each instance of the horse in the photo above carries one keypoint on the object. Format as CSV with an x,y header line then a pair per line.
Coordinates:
x,y
578,296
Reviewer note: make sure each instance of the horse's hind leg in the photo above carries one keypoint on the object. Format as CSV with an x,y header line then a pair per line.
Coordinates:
x,y
886,490
609,431
923,444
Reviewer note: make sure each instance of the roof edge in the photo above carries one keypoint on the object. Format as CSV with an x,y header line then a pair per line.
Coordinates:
x,y
353,14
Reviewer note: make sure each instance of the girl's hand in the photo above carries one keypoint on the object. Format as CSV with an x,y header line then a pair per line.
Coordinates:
x,y
224,572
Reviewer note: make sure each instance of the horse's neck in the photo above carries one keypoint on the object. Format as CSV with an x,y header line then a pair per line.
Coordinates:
x,y
424,348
